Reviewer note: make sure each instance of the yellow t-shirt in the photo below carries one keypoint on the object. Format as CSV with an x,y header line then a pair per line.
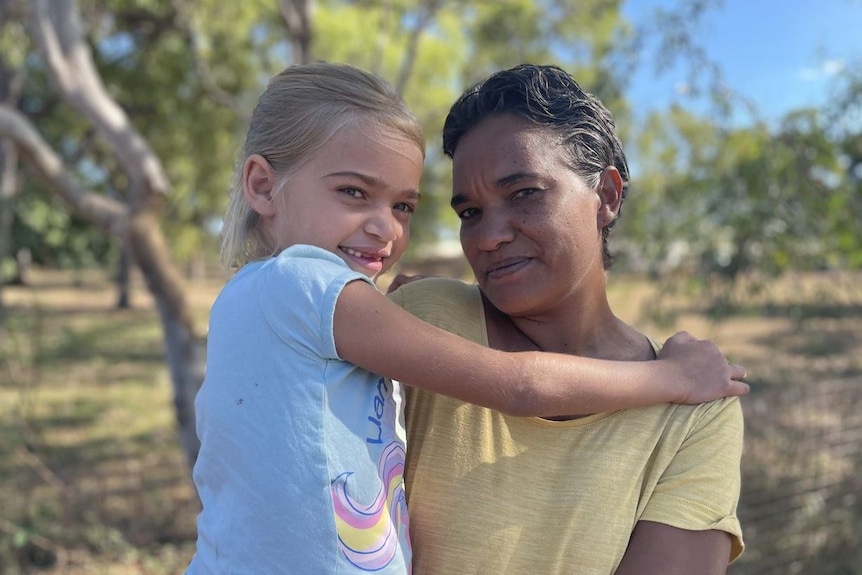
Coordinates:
x,y
493,494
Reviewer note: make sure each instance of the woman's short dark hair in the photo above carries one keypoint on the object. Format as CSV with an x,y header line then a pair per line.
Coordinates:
x,y
547,96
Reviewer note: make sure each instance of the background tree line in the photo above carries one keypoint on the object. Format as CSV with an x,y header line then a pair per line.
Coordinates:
x,y
120,121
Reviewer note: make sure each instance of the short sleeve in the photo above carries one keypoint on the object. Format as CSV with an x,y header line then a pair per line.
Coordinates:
x,y
700,488
298,293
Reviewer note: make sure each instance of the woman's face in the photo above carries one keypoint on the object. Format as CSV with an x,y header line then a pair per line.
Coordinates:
x,y
529,224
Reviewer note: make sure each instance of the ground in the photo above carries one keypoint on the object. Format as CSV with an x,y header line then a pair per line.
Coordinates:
x,y
92,479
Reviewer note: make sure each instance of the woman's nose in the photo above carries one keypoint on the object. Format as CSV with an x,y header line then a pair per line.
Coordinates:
x,y
493,231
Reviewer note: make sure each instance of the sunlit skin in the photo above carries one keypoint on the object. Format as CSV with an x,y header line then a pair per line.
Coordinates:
x,y
353,197
530,226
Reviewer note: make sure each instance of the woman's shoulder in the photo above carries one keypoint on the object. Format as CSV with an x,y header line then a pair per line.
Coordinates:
x,y
449,304
451,293
721,419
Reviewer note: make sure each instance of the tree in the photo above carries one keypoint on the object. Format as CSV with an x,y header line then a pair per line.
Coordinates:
x,y
140,113
432,49
844,117
753,202
57,27
11,83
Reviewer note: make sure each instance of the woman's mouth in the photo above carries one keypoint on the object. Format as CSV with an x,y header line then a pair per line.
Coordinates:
x,y
506,267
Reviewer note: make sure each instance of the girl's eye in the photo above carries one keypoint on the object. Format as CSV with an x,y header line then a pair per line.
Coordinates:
x,y
403,207
468,213
356,193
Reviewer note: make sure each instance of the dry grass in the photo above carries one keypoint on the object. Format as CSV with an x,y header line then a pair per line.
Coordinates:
x,y
92,479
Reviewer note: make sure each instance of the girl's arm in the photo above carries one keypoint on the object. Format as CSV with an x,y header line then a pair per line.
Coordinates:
x,y
377,335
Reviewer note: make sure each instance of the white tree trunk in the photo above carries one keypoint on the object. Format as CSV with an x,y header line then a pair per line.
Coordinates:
x,y
57,27
297,16
11,85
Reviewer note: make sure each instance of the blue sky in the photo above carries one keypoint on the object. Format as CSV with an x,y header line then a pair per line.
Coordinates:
x,y
781,55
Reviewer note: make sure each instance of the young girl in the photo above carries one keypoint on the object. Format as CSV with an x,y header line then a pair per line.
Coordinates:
x,y
302,449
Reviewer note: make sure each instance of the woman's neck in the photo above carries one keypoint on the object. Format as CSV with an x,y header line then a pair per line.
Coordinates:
x,y
590,331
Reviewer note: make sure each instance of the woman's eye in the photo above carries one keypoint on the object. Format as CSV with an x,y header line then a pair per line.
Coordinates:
x,y
468,213
403,207
524,193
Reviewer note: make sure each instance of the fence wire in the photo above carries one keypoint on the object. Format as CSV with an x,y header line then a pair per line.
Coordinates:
x,y
801,503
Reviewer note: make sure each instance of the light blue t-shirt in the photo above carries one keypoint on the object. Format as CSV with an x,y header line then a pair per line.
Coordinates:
x,y
302,453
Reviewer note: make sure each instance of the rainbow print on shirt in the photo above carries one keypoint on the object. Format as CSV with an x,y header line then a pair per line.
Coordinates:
x,y
370,535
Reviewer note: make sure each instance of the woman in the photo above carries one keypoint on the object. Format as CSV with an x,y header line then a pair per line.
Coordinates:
x,y
539,180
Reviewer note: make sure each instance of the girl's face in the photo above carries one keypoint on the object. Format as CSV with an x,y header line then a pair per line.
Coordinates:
x,y
353,197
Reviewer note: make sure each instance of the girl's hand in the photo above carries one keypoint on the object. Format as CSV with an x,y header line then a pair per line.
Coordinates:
x,y
702,370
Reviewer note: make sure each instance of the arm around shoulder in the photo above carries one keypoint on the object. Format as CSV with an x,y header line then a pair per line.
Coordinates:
x,y
377,335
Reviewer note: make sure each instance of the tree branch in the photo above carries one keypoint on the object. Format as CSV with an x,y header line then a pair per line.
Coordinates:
x,y
422,22
381,39
106,213
57,26
297,17
185,22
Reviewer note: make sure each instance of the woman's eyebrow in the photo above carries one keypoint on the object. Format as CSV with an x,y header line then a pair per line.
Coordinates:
x,y
515,178
458,199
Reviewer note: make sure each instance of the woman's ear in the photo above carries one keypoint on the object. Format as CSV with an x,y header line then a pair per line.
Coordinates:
x,y
259,184
610,194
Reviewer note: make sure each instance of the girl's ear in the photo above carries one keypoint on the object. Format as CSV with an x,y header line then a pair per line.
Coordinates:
x,y
610,193
259,184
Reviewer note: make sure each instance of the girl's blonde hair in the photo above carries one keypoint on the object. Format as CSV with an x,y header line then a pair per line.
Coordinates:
x,y
301,108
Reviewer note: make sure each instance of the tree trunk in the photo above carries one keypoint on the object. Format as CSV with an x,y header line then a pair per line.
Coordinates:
x,y
429,10
11,86
57,28
124,269
185,352
297,18
8,188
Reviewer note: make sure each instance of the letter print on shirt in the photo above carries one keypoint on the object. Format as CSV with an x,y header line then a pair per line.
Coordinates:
x,y
370,533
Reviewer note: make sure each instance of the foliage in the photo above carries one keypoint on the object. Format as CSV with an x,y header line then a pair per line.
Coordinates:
x,y
54,236
712,196
731,200
188,75
161,64
464,42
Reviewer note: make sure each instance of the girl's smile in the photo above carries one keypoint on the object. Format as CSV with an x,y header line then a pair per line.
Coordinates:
x,y
370,259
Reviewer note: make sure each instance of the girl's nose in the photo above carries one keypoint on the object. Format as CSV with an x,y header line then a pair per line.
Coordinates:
x,y
383,225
